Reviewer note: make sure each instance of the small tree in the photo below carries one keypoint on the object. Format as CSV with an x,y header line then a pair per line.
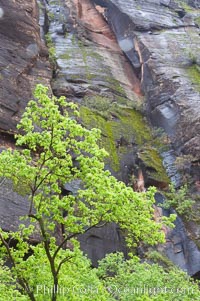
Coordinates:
x,y
52,150
180,200
132,280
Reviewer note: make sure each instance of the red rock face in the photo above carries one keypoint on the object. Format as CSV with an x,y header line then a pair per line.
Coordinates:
x,y
91,18
23,61
165,39
99,30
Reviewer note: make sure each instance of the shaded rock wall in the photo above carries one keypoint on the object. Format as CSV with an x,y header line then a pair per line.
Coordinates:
x,y
98,242
23,63
179,246
23,59
161,40
161,66
93,71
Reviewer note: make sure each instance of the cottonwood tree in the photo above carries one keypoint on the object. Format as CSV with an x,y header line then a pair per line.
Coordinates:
x,y
53,149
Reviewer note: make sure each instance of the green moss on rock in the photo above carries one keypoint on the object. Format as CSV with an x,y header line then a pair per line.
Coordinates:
x,y
194,74
159,258
134,124
150,156
92,119
197,21
129,124
116,115
66,56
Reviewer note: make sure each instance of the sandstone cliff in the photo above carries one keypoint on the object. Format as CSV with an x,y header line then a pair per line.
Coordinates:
x,y
121,61
23,59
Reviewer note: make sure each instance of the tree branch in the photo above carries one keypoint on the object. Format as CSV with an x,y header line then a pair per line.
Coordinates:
x,y
69,237
50,258
22,281
61,263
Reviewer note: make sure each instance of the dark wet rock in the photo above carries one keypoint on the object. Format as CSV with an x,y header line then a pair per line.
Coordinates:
x,y
179,246
93,71
23,63
23,60
12,206
72,187
98,242
182,250
169,160
161,40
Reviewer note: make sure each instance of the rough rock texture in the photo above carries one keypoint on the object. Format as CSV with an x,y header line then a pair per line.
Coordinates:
x,y
181,249
93,71
23,63
161,43
23,59
179,246
12,206
98,242
161,40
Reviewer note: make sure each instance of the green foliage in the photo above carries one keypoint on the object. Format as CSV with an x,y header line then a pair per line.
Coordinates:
x,y
51,16
159,258
179,200
100,104
51,49
52,150
197,21
152,159
8,287
77,281
131,126
194,74
132,280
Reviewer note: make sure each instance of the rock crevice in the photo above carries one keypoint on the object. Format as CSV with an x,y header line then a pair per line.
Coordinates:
x,y
163,46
